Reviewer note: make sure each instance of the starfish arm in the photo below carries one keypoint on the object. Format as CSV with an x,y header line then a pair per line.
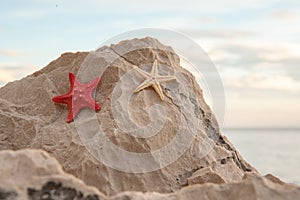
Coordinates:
x,y
93,105
66,99
165,78
143,85
90,103
154,70
72,79
158,90
70,115
97,107
93,84
74,109
142,72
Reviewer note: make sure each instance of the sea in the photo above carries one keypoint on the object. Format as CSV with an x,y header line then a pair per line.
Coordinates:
x,y
269,150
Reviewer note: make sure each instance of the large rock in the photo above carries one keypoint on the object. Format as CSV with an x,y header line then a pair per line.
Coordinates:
x,y
31,120
35,175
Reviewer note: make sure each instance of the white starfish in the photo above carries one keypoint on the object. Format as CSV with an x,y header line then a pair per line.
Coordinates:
x,y
153,80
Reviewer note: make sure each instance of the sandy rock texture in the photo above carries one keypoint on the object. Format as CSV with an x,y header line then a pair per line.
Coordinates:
x,y
35,175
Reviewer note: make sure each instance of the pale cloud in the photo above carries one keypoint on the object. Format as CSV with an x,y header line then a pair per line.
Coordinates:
x,y
32,13
219,33
264,58
12,53
283,15
264,82
246,55
207,19
269,111
261,67
6,76
171,22
12,72
28,14
273,82
273,67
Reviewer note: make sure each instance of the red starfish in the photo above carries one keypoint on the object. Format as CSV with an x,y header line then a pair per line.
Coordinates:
x,y
79,96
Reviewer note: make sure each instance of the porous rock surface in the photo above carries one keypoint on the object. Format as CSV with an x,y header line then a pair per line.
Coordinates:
x,y
35,175
29,119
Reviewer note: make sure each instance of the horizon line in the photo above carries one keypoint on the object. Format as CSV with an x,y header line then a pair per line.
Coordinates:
x,y
260,128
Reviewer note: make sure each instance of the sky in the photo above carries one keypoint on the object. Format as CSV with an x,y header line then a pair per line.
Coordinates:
x,y
255,44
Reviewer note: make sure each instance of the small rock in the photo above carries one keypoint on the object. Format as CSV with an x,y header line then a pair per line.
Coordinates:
x,y
205,175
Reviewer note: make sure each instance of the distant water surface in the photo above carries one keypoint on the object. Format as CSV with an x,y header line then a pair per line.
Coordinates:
x,y
275,151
